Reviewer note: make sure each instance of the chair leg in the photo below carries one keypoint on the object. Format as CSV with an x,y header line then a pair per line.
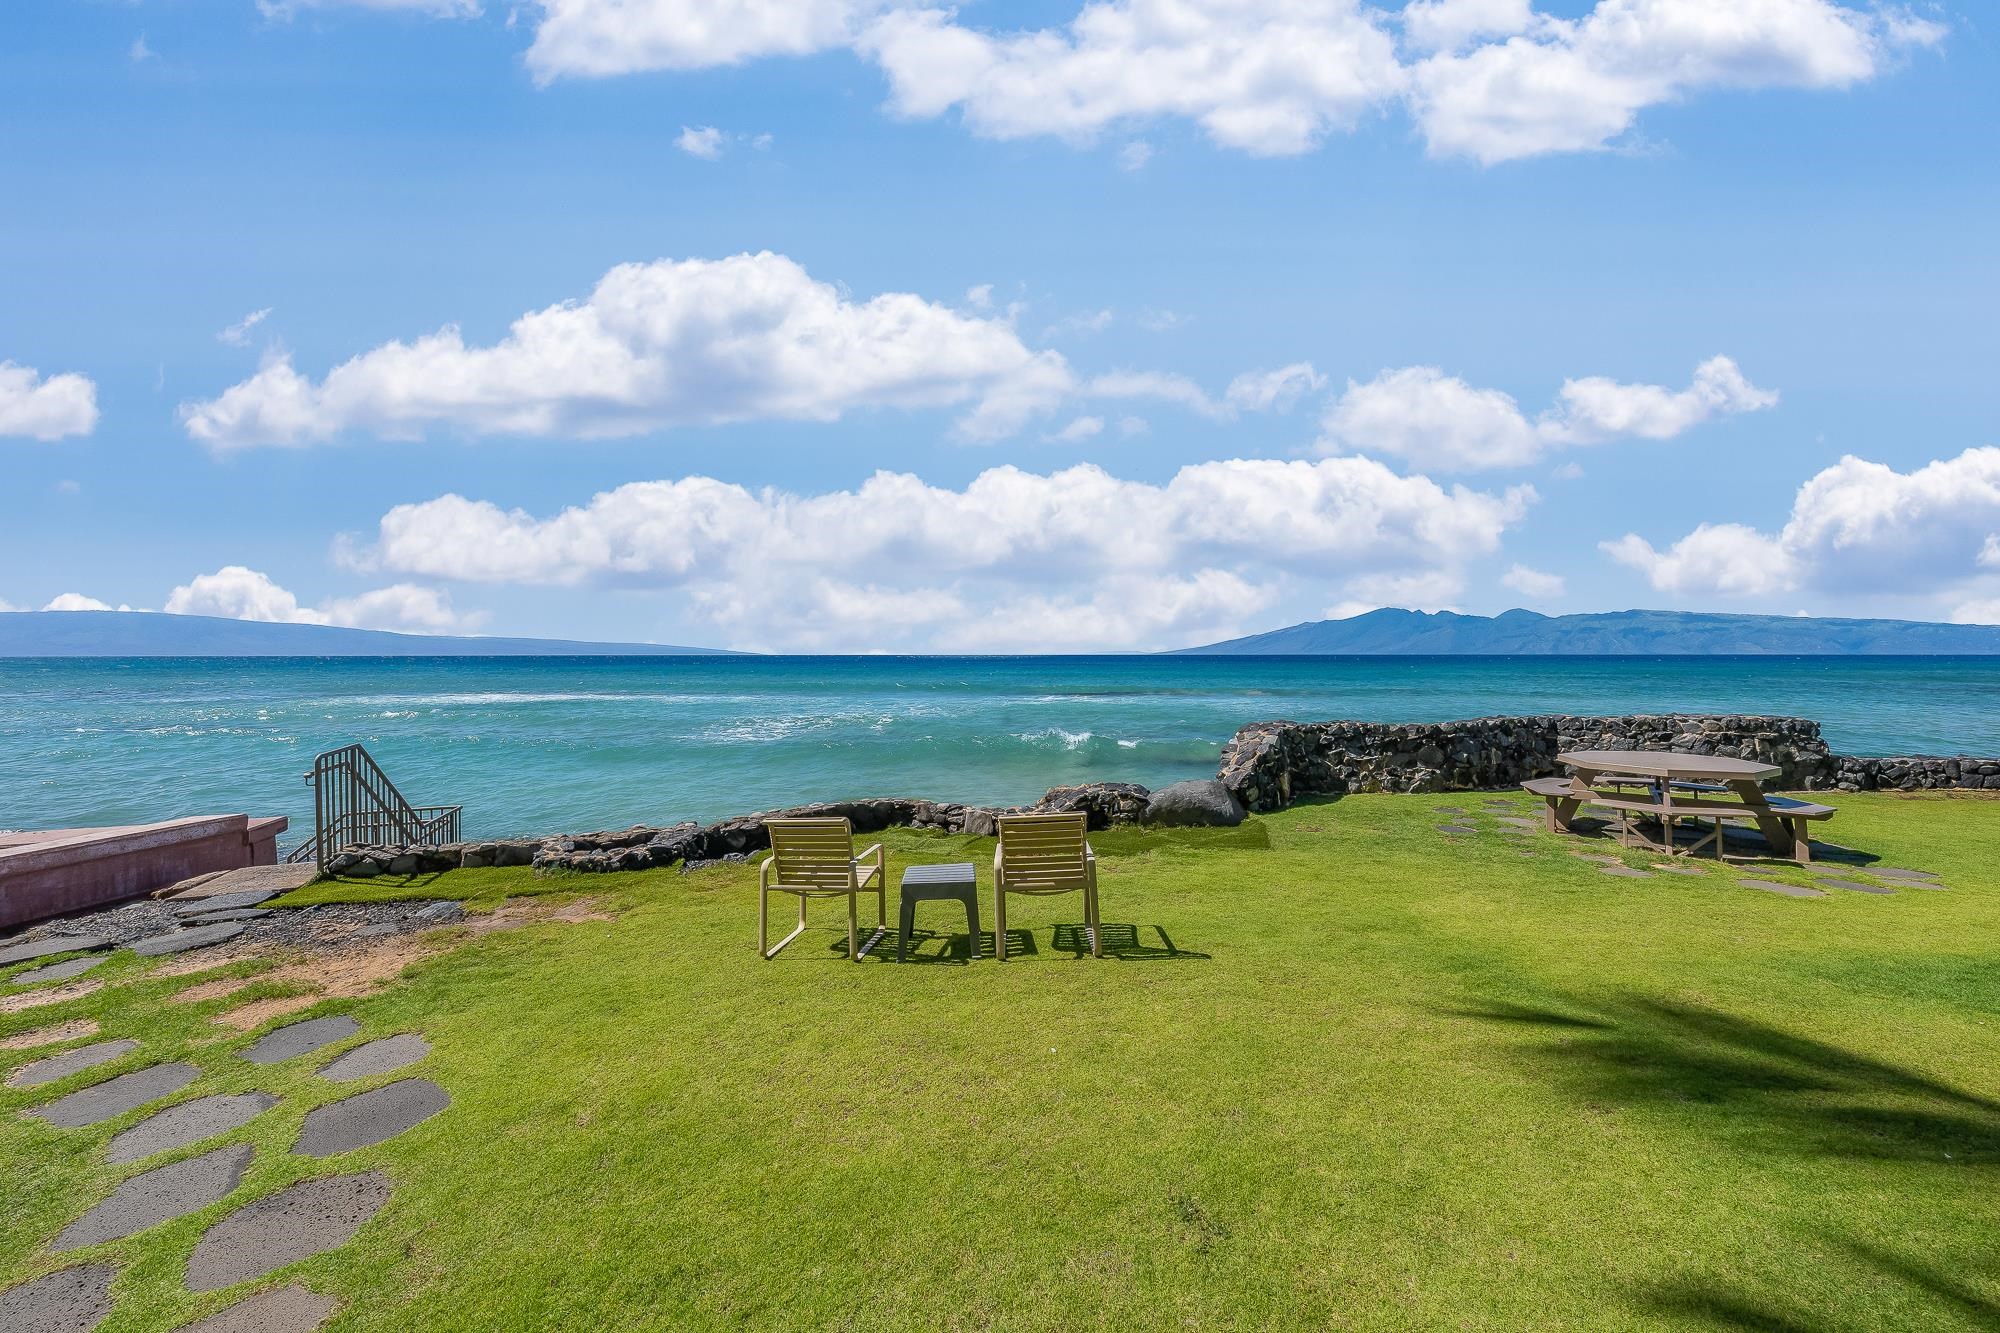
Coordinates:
x,y
853,949
1090,918
999,924
763,928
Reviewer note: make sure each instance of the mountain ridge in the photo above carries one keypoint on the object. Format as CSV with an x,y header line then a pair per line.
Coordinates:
x,y
1392,631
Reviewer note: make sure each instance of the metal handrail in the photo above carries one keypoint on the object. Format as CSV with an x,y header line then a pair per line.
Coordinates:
x,y
354,802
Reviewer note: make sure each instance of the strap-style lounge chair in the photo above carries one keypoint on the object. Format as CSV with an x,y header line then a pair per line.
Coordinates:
x,y
1044,854
814,858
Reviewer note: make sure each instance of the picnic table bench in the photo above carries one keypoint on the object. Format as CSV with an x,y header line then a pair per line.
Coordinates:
x,y
1643,786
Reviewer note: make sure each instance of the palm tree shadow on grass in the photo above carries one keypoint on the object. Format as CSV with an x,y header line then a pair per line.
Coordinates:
x,y
1783,1091
1907,1277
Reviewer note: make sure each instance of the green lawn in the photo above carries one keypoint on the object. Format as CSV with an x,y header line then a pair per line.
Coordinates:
x,y
1346,1073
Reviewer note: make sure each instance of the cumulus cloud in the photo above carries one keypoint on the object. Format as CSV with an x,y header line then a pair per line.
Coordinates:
x,y
238,334
236,592
1135,155
669,343
1985,612
703,141
1441,422
1533,583
1073,558
1252,391
1567,85
45,409
1083,428
1856,527
1485,79
76,601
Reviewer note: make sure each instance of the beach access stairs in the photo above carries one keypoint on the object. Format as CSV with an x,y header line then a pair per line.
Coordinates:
x,y
355,802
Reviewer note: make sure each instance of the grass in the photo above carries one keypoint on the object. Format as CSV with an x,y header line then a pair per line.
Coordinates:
x,y
1343,1073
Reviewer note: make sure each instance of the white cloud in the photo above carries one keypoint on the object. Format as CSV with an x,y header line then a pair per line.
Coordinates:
x,y
1084,321
140,53
1273,390
1073,558
601,37
1439,421
45,409
1135,155
235,592
1163,321
76,601
752,337
1130,426
1083,428
1977,612
1163,385
1856,528
1486,79
1449,25
1265,76
980,297
1573,85
1423,590
1534,583
237,334
1726,558
705,141
6,605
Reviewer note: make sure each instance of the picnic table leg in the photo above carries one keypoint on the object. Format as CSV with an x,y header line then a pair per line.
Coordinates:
x,y
1777,830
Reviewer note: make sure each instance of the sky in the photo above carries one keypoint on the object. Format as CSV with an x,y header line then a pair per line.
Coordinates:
x,y
873,325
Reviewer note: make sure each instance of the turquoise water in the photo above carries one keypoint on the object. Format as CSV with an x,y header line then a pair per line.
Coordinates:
x,y
544,744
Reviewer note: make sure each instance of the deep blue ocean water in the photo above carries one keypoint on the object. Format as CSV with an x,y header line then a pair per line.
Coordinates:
x,y
532,745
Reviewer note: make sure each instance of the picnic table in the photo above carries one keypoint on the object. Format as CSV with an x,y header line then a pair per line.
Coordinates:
x,y
1667,786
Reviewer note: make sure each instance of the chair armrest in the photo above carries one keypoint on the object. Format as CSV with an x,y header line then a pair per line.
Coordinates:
x,y
874,850
1088,854
764,869
865,870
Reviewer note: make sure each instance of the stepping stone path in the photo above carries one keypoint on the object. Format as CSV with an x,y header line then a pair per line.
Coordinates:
x,y
223,902
190,1122
72,1301
1521,821
75,967
1625,872
296,1223
1593,856
297,1039
1894,872
29,950
1456,830
233,914
1789,890
70,1062
384,1056
157,1196
180,941
114,1097
369,1118
1677,870
280,1310
1856,885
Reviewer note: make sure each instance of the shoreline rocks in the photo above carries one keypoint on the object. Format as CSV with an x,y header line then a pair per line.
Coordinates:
x,y
1265,766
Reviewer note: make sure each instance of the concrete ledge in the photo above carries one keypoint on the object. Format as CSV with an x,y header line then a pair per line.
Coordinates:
x,y
56,871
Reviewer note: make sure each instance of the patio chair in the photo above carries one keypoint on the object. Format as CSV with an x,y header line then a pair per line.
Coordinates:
x,y
814,858
1044,854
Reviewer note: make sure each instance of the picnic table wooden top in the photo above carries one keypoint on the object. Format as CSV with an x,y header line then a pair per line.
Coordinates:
x,y
1669,764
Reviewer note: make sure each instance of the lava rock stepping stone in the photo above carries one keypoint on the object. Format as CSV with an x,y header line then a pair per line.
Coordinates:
x,y
27,951
440,912
1601,860
281,1310
180,941
1624,872
1456,830
1521,821
297,1222
1449,809
75,967
384,1056
159,1195
233,914
1856,885
1677,870
114,1097
1893,872
297,1039
190,1122
72,1301
1789,890
73,1061
223,902
369,1118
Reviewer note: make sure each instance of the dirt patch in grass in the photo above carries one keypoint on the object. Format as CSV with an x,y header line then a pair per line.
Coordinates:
x,y
35,999
357,970
21,1041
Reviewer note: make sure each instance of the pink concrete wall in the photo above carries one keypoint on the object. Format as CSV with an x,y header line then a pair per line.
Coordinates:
x,y
73,870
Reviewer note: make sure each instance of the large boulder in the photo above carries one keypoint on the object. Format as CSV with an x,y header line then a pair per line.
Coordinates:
x,y
1203,803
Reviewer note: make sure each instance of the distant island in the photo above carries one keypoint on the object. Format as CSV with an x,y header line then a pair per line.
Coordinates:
x,y
1610,633
157,634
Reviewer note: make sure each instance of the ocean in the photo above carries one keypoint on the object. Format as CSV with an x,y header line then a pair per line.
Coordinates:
x,y
540,745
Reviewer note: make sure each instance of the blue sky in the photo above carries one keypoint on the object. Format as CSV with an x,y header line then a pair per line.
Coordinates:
x,y
1026,327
